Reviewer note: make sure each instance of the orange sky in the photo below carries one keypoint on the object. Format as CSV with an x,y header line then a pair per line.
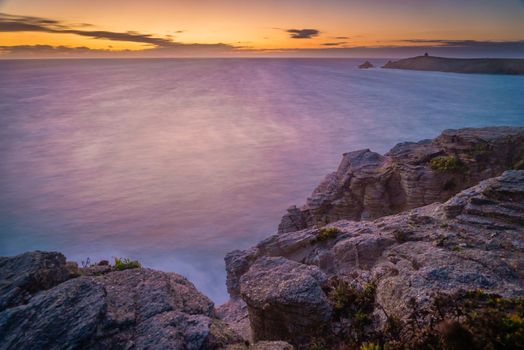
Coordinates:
x,y
246,27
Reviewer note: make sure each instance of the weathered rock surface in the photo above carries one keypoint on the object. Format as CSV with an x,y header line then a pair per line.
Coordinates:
x,y
368,185
29,273
474,241
130,309
284,299
262,345
234,313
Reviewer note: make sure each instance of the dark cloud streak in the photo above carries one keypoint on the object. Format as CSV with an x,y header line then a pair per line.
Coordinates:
x,y
13,23
333,44
303,33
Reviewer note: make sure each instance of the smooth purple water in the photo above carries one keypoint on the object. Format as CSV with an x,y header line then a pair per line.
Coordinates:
x,y
176,162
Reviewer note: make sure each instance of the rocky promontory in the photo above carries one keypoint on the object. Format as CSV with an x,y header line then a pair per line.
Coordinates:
x,y
432,277
460,65
368,185
420,248
48,303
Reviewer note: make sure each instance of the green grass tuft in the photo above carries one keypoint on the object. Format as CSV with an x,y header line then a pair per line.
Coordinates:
x,y
126,263
370,346
447,164
326,233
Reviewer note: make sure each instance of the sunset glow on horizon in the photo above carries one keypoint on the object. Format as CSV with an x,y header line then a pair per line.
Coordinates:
x,y
162,28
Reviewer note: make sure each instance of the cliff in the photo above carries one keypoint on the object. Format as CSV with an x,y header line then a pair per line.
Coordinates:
x,y
368,185
48,303
446,275
460,65
422,247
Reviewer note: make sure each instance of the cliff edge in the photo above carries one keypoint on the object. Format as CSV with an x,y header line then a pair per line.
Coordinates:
x,y
368,185
447,275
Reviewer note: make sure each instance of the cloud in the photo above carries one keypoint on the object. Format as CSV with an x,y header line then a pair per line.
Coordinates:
x,y
303,33
14,23
472,44
416,47
156,46
333,44
179,50
344,37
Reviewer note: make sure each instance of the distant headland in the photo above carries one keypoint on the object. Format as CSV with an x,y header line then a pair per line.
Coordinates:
x,y
460,65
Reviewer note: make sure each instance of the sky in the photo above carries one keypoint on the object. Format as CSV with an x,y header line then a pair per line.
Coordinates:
x,y
262,28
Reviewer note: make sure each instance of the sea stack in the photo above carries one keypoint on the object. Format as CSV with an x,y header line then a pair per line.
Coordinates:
x,y
366,65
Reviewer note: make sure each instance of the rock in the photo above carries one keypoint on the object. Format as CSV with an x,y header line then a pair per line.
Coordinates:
x,y
368,185
472,242
285,300
234,312
262,345
366,65
460,65
130,309
26,274
272,345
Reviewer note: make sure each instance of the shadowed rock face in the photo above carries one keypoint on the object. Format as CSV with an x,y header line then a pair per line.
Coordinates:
x,y
29,273
368,185
131,309
474,241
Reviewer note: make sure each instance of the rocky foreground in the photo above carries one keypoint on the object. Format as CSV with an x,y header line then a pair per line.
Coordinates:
x,y
460,65
422,248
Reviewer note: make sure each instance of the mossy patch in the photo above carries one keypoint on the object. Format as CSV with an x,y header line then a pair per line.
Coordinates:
x,y
450,164
326,234
126,263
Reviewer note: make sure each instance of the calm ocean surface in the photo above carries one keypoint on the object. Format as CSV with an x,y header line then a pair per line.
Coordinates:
x,y
176,162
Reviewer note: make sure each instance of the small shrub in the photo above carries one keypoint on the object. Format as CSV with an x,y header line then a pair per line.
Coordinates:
x,y
355,304
447,164
126,263
370,346
326,233
492,321
316,345
86,263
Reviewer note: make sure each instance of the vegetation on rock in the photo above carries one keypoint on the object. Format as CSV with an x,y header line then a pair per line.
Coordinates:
x,y
326,233
447,164
126,263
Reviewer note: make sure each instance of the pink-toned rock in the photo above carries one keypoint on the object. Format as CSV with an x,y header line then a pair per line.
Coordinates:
x,y
368,185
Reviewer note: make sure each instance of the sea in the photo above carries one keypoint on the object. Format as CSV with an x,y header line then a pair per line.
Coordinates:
x,y
175,162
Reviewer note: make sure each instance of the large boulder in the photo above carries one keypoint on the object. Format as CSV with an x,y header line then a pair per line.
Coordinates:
x,y
285,300
131,309
26,274
368,185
